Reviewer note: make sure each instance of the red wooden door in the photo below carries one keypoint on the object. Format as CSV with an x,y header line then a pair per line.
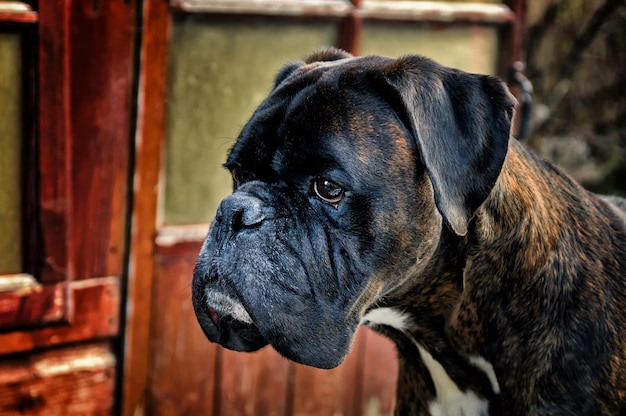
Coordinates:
x,y
60,299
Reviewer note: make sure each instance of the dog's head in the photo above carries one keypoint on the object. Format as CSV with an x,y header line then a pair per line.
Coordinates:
x,y
344,178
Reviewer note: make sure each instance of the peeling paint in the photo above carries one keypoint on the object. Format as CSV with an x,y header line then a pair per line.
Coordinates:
x,y
170,236
22,284
90,362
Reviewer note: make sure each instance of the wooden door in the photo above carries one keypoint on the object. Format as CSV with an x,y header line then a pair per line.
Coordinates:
x,y
205,65
65,128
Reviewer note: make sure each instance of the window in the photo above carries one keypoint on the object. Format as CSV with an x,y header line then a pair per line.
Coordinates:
x,y
33,217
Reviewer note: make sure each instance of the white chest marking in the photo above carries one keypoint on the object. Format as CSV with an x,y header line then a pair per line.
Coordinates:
x,y
450,400
389,317
485,367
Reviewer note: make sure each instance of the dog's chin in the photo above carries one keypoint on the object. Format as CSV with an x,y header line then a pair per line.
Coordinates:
x,y
242,336
235,330
229,332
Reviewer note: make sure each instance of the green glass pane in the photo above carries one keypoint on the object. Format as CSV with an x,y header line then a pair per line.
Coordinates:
x,y
220,70
471,48
10,154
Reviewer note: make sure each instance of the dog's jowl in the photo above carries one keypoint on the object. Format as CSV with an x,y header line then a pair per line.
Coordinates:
x,y
388,193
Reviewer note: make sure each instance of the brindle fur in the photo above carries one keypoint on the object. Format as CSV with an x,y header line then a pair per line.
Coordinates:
x,y
491,251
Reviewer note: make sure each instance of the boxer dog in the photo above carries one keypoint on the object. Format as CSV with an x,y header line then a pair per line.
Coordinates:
x,y
388,193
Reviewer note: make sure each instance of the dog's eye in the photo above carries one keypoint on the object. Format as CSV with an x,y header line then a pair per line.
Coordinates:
x,y
328,191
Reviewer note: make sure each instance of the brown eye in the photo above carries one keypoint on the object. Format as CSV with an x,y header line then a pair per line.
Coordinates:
x,y
328,191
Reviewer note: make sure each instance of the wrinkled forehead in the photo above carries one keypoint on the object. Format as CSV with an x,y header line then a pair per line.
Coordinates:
x,y
319,112
344,126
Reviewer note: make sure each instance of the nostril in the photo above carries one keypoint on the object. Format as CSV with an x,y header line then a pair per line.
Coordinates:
x,y
240,211
236,220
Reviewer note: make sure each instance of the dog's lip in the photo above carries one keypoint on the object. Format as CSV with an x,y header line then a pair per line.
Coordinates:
x,y
227,330
213,315
219,305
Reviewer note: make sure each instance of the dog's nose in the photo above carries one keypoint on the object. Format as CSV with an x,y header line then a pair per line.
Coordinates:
x,y
239,211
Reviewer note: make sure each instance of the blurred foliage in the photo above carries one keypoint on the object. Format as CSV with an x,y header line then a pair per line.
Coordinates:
x,y
576,60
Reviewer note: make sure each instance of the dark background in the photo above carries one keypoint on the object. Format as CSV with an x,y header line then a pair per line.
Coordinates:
x,y
576,60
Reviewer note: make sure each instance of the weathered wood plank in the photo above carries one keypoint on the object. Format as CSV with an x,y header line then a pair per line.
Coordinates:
x,y
335,8
437,11
255,384
100,98
512,39
54,141
380,373
24,301
330,392
148,148
72,381
183,363
17,12
94,313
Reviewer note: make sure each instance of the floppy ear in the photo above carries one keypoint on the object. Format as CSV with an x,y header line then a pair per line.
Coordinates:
x,y
285,71
461,125
319,55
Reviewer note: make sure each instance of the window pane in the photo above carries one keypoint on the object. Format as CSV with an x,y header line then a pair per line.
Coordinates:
x,y
10,154
471,48
220,70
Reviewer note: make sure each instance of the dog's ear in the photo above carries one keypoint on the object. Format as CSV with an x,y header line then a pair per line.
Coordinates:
x,y
285,71
461,124
319,55
326,54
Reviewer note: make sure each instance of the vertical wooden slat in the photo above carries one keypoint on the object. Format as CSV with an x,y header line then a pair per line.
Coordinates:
x,y
55,138
182,366
512,42
380,373
253,384
330,392
512,39
148,147
350,30
31,243
350,33
101,88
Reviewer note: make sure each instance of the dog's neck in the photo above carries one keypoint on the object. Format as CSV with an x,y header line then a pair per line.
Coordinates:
x,y
519,220
515,236
523,242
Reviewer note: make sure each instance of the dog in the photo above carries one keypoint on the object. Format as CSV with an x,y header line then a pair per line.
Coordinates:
x,y
390,193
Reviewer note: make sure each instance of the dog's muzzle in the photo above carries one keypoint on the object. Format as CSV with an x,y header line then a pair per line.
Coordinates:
x,y
265,276
221,314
